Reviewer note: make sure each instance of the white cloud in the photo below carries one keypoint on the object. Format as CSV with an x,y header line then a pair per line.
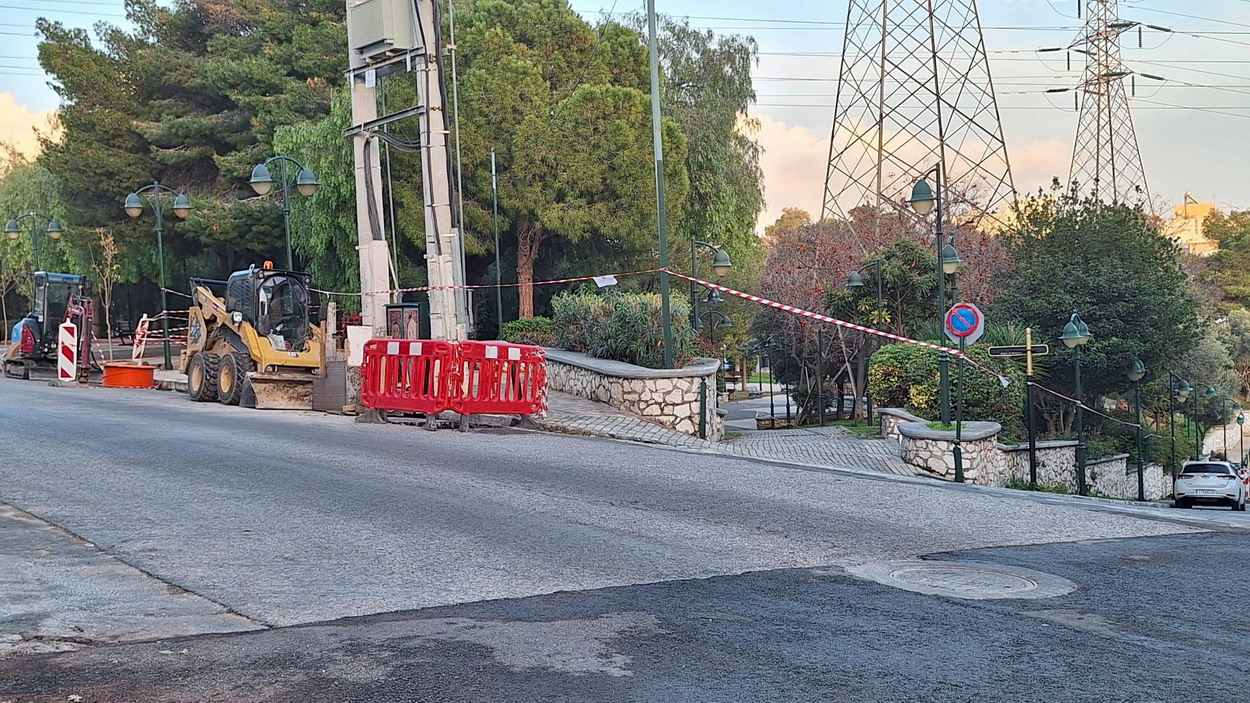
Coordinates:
x,y
793,162
1035,164
18,124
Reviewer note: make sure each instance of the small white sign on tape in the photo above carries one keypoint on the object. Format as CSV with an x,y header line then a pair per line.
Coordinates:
x,y
605,281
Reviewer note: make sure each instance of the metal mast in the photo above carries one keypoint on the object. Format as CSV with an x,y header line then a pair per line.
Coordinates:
x,y
1106,159
914,89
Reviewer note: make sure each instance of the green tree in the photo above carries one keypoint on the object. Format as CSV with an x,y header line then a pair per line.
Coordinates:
x,y
1111,264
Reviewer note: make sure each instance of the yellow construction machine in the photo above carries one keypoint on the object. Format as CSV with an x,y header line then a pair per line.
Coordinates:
x,y
250,341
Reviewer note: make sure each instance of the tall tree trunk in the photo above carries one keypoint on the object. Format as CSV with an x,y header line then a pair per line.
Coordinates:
x,y
529,238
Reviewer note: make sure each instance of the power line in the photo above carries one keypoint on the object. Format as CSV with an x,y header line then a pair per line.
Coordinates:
x,y
60,12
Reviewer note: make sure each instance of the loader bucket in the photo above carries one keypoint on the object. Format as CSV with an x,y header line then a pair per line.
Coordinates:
x,y
279,391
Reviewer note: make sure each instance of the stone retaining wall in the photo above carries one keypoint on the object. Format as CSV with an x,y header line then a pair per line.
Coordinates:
x,y
667,397
987,462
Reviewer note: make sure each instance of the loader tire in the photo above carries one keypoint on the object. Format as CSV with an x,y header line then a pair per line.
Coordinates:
x,y
202,377
232,378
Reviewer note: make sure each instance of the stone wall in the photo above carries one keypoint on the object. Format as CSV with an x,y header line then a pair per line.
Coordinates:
x,y
667,397
1116,476
988,463
1056,463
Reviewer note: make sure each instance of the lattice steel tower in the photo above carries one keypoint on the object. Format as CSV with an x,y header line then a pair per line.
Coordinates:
x,y
1106,159
914,90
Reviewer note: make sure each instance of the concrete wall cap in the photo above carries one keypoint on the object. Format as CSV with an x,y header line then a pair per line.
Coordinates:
x,y
972,431
1047,444
1108,460
619,369
899,412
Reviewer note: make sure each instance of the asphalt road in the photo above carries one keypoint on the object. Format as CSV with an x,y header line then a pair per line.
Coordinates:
x,y
558,568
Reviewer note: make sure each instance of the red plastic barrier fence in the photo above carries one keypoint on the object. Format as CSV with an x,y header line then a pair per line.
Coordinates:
x,y
496,378
407,375
471,378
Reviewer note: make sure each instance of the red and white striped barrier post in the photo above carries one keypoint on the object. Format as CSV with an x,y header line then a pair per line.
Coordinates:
x,y
141,339
67,354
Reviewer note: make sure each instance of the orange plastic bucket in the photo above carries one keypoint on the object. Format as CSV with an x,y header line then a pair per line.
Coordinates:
x,y
128,375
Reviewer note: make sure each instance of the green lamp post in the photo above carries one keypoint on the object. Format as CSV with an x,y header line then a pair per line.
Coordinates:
x,y
1241,440
721,265
51,229
1178,392
856,281
924,200
1076,335
1135,374
306,184
181,208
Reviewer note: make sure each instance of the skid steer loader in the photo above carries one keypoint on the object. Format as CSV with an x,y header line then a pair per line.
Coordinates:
x,y
250,341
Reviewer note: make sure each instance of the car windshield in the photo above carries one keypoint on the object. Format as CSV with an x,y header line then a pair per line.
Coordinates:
x,y
1207,469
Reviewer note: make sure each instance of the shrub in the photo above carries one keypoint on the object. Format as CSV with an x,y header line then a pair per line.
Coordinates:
x,y
622,326
906,376
539,331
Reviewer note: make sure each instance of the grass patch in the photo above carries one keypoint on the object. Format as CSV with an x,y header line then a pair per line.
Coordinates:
x,y
1021,485
855,427
944,427
731,436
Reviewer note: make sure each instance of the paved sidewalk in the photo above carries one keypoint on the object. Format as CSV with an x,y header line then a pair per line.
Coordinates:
x,y
830,447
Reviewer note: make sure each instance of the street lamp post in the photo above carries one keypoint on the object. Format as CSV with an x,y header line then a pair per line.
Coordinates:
x,y
182,208
1135,374
856,281
1241,440
1076,335
306,183
925,199
721,265
52,229
1178,390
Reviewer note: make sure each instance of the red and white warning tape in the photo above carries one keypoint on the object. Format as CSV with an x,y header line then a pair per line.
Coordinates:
x,y
491,285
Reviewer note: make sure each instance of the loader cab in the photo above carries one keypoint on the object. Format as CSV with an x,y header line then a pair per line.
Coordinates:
x,y
275,303
52,293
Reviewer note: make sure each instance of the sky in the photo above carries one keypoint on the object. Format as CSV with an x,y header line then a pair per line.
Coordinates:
x,y
1190,128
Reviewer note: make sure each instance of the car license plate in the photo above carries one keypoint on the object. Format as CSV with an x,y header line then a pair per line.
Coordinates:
x,y
1207,492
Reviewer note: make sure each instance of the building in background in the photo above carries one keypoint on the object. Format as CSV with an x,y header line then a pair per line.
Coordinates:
x,y
1187,225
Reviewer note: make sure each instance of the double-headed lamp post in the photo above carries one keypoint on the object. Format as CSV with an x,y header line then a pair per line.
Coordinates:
x,y
854,282
1135,374
1076,335
52,228
182,208
306,183
1178,392
924,200
721,265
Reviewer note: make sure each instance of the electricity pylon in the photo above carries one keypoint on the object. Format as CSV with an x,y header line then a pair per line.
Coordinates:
x,y
915,90
1106,160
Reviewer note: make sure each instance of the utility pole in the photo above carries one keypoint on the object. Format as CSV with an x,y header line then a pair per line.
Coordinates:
x,y
389,37
449,315
371,235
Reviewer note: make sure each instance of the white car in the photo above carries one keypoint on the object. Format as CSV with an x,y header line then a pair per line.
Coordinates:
x,y
1210,483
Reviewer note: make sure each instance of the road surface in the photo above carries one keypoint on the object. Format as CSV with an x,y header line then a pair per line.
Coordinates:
x,y
515,565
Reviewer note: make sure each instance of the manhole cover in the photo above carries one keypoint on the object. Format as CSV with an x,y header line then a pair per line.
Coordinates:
x,y
964,579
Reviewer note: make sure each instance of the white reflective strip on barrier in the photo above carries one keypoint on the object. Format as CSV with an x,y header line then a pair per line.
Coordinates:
x,y
392,348
415,348
492,352
514,353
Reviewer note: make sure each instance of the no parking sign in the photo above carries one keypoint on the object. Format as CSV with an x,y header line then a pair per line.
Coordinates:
x,y
965,323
